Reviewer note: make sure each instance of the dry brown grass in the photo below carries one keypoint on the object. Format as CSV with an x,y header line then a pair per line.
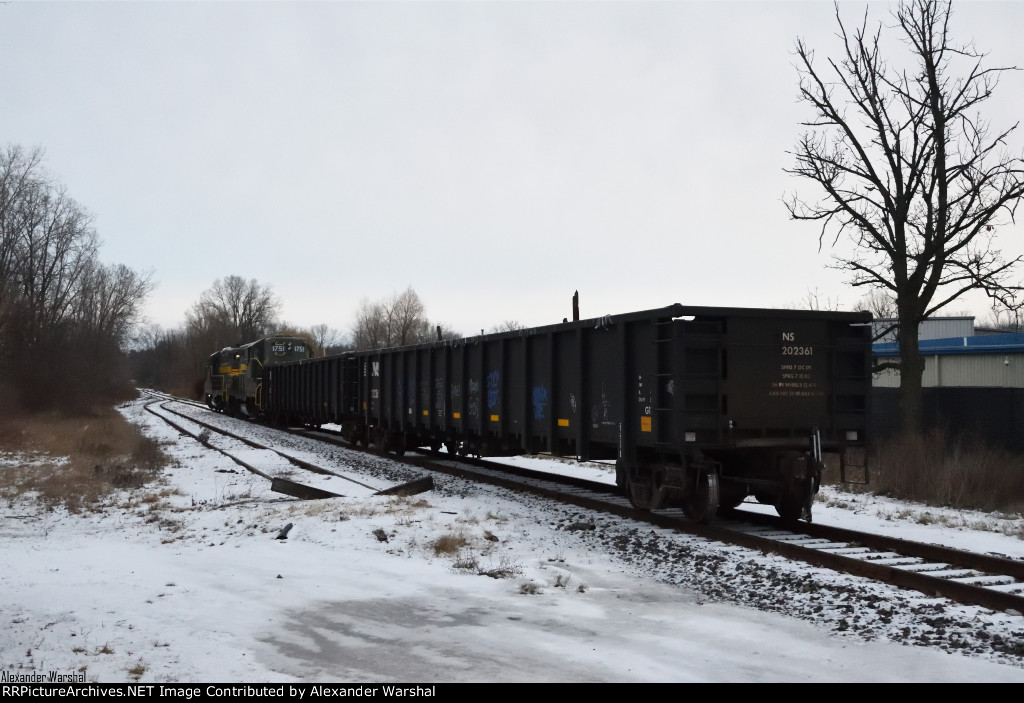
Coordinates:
x,y
449,543
958,472
76,461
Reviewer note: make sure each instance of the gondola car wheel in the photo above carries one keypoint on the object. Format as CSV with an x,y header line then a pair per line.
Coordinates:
x,y
794,497
643,495
701,503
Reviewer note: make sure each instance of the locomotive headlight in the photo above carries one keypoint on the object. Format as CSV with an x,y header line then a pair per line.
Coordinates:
x,y
852,435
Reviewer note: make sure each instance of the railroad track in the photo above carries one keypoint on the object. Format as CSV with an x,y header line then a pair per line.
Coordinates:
x,y
970,578
985,580
266,456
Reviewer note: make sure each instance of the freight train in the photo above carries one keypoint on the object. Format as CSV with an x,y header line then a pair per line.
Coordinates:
x,y
234,376
699,407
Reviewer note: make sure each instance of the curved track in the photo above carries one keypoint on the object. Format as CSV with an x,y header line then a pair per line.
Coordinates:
x,y
255,457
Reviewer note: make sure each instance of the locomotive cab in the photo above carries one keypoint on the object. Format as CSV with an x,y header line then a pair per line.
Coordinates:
x,y
234,376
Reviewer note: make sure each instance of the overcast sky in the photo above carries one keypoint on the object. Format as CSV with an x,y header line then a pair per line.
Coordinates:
x,y
495,156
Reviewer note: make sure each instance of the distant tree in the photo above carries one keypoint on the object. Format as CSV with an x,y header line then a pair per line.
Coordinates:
x,y
878,303
508,326
1003,320
21,177
325,337
814,300
882,307
163,359
393,322
909,173
145,335
407,320
370,330
110,300
236,308
232,311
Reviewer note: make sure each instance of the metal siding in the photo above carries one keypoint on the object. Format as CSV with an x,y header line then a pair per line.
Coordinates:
x,y
565,396
439,416
963,370
540,390
494,387
604,389
473,372
932,328
981,370
457,389
642,383
425,387
515,384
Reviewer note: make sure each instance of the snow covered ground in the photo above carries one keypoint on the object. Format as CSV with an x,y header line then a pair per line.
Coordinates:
x,y
186,581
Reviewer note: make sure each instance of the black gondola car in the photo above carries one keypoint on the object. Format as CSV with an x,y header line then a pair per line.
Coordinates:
x,y
699,406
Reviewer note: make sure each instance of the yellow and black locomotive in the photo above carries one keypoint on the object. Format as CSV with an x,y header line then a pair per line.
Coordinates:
x,y
234,376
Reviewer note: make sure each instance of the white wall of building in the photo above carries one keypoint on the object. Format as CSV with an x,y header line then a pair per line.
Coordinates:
x,y
970,370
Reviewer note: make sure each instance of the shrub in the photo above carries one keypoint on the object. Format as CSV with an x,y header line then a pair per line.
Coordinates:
x,y
449,543
940,469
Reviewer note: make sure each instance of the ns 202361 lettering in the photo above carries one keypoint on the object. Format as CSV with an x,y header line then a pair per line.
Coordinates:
x,y
798,351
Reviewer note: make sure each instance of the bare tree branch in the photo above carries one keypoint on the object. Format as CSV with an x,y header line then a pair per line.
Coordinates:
x,y
912,182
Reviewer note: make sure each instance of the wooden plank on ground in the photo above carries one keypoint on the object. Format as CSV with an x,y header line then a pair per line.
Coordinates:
x,y
419,485
298,490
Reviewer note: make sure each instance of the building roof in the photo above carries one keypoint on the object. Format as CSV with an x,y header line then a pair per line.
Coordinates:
x,y
1009,342
884,328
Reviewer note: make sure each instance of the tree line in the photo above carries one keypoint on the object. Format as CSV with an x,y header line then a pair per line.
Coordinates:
x,y
72,334
235,311
64,314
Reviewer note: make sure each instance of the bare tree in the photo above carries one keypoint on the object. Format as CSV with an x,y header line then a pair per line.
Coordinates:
x,y
882,307
163,359
408,323
20,175
64,317
232,311
878,303
815,300
911,176
109,302
370,330
325,338
508,326
242,309
55,247
395,321
1004,320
